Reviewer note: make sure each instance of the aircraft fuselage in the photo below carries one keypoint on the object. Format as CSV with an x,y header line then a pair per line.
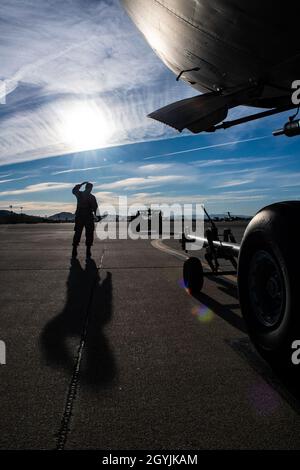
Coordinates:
x,y
230,43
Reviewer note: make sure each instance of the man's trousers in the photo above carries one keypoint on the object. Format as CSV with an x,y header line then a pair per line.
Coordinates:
x,y
82,222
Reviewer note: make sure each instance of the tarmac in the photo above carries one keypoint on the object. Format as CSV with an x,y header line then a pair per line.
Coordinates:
x,y
114,354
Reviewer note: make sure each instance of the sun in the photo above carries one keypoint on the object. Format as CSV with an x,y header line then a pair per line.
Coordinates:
x,y
85,126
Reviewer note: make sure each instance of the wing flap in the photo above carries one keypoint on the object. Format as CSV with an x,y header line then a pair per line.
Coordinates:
x,y
199,113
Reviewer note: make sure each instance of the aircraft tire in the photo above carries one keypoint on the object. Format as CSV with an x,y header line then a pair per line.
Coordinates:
x,y
269,283
193,275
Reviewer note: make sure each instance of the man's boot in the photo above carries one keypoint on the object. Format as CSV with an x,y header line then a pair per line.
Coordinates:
x,y
74,251
88,252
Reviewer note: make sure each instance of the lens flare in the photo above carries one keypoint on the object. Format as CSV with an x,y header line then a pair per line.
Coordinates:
x,y
203,313
181,284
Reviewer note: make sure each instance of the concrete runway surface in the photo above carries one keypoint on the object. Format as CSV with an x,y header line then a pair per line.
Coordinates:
x,y
114,354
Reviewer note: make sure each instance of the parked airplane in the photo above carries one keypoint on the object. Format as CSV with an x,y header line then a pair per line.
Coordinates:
x,y
239,53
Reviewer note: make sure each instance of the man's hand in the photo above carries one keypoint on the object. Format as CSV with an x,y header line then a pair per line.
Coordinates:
x,y
100,217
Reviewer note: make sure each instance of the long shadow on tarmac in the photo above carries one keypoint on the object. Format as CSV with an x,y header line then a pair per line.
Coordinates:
x,y
285,380
223,311
88,308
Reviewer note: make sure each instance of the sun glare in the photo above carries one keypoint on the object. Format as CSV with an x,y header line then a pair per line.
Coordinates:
x,y
85,127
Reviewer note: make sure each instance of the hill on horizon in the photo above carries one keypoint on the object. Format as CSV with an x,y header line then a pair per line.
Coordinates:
x,y
63,217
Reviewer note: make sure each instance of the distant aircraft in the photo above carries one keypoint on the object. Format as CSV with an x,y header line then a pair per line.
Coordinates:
x,y
235,52
239,53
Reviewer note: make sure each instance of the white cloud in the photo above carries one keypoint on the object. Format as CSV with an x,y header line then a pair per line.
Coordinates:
x,y
39,207
154,198
55,54
74,170
236,160
6,175
223,144
133,183
13,179
146,195
35,188
155,167
228,184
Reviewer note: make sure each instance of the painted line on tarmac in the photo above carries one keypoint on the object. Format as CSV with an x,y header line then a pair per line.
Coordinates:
x,y
159,245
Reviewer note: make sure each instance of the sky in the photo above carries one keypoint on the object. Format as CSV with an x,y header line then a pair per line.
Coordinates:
x,y
77,83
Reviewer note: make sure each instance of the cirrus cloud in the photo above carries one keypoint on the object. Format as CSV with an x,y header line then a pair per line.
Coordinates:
x,y
35,188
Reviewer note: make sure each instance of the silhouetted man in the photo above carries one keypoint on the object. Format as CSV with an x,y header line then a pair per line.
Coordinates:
x,y
84,217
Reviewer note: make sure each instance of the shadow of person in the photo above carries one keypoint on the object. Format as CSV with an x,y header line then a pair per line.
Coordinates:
x,y
99,364
88,308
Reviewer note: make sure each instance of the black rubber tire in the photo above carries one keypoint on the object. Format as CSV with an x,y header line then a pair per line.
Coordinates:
x,y
268,280
193,275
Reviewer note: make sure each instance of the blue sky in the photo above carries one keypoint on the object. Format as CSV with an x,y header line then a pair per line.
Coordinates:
x,y
79,82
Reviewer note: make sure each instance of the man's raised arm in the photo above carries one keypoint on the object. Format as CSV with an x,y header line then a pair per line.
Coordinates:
x,y
77,187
